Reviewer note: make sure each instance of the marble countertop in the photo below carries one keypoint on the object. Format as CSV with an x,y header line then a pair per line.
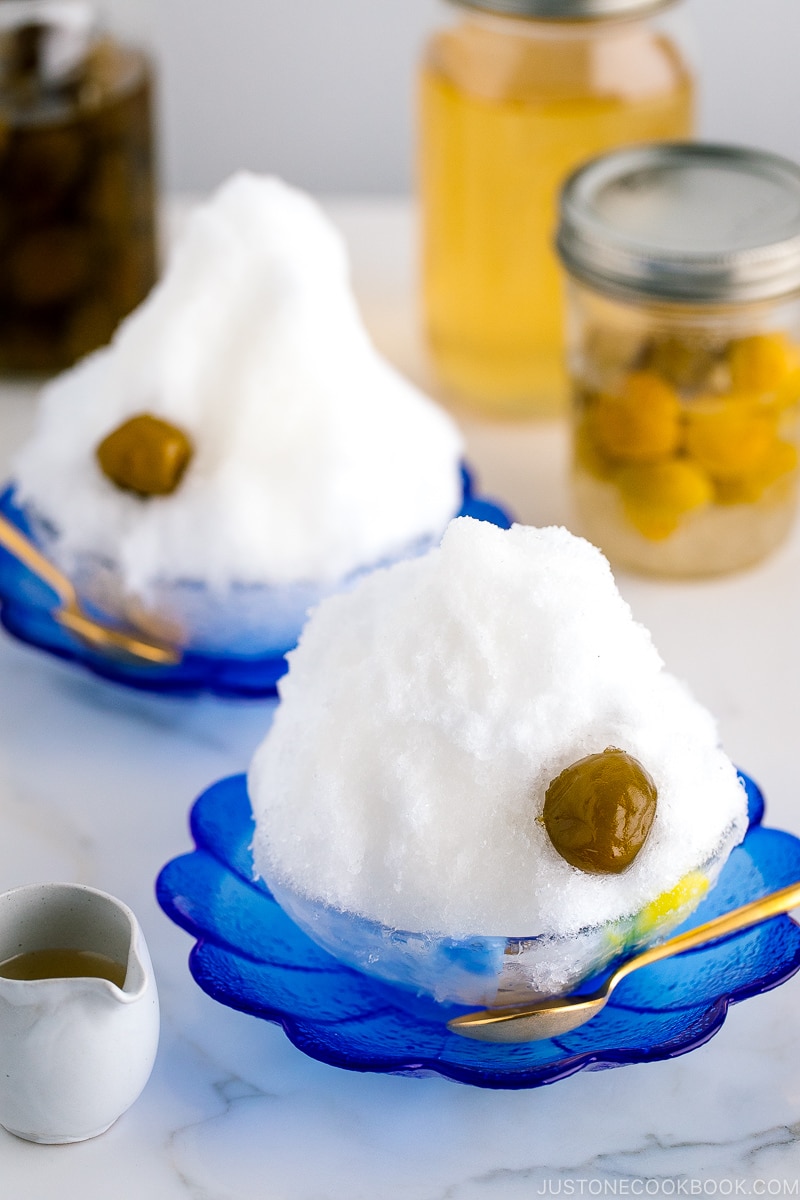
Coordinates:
x,y
95,786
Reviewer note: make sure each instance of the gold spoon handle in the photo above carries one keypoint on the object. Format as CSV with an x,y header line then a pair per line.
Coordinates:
x,y
559,1014
24,550
70,614
762,909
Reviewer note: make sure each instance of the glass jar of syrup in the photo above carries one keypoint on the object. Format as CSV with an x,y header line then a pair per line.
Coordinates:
x,y
77,195
514,96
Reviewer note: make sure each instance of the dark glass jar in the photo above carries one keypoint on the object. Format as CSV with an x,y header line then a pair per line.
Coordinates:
x,y
77,194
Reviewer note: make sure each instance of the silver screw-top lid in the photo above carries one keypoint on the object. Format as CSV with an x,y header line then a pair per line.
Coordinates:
x,y
565,10
688,222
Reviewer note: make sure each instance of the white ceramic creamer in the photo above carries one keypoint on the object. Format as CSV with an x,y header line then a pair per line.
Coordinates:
x,y
75,1052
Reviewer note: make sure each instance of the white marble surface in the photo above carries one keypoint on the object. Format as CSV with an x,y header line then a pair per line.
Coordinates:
x,y
95,786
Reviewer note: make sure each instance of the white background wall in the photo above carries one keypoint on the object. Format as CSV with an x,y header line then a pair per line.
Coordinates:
x,y
321,91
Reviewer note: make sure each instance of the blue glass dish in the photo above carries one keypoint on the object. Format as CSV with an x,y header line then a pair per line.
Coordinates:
x,y
26,604
250,956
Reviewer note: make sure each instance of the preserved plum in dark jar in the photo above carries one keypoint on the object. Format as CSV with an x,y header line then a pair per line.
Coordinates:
x,y
77,194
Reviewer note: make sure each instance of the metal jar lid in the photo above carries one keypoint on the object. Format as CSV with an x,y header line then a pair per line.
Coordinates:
x,y
687,222
566,10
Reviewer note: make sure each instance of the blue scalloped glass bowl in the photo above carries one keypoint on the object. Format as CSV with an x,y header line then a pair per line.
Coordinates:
x,y
26,604
250,956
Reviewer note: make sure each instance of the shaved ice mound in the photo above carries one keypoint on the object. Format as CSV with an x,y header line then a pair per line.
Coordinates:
x,y
399,794
313,459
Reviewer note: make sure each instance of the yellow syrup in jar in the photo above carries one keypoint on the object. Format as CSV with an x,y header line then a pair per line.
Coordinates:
x,y
508,109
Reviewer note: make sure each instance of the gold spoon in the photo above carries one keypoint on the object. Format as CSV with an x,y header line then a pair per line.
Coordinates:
x,y
113,642
558,1014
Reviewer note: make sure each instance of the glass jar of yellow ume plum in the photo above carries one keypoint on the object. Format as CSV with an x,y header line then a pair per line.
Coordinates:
x,y
684,353
514,96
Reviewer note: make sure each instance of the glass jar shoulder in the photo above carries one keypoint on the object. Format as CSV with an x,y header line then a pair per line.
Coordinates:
x,y
112,73
533,62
